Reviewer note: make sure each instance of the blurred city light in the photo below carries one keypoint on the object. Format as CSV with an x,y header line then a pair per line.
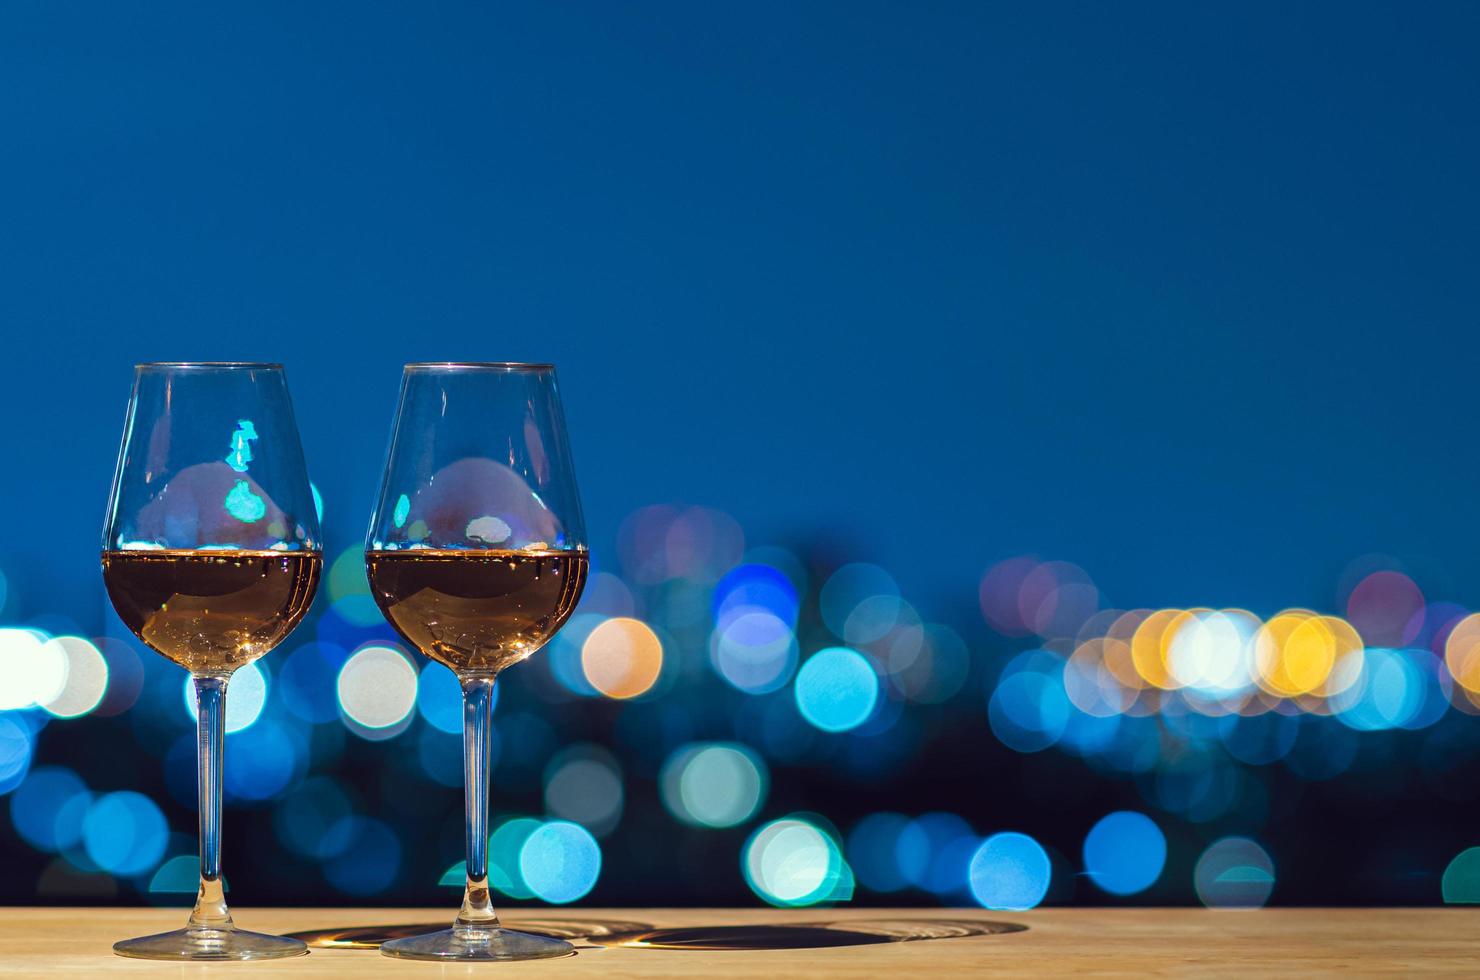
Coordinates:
x,y
583,784
1009,871
1125,853
377,688
32,669
1234,872
791,862
560,862
86,678
677,706
1461,882
246,694
836,689
622,657
713,785
124,833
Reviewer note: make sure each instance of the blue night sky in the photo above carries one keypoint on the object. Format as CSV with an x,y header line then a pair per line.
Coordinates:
x,y
1187,296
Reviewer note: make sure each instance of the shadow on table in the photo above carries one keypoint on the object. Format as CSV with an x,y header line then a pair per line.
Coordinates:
x,y
638,935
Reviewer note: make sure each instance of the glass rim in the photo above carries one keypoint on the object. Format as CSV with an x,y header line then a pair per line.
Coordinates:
x,y
208,366
508,366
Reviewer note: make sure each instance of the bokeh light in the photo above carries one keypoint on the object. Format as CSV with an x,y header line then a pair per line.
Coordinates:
x,y
583,784
1462,653
792,862
754,650
713,784
622,657
439,698
306,681
1234,872
1383,607
47,809
377,687
854,588
934,852
32,670
367,855
505,857
1460,884
753,588
246,694
124,833
836,689
86,678
1010,872
1124,853
560,861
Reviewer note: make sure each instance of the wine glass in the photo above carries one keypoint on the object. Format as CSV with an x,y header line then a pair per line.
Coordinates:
x,y
211,556
477,555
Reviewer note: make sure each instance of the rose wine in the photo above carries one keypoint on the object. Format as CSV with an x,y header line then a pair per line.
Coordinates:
x,y
476,611
211,611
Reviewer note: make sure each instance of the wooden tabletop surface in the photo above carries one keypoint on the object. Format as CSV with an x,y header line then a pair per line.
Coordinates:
x,y
865,942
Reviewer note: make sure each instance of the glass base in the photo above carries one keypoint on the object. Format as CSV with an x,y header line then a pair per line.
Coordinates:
x,y
464,944
210,944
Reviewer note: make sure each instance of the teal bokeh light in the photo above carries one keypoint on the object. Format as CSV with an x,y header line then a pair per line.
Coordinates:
x,y
837,689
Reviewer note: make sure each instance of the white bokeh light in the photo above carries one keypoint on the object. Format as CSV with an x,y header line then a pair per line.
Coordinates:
x,y
377,687
32,670
246,693
86,681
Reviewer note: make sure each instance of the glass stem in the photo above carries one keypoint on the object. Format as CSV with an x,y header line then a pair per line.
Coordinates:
x,y
210,707
477,906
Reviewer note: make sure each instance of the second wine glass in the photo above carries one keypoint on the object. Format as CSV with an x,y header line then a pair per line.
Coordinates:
x,y
477,555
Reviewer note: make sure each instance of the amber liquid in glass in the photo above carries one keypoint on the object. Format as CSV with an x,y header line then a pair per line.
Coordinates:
x,y
476,611
211,611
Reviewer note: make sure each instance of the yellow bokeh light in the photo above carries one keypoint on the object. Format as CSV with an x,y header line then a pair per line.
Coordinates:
x,y
1270,668
622,657
1462,653
1147,648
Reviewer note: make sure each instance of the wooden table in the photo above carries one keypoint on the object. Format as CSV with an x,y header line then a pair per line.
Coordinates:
x,y
1259,944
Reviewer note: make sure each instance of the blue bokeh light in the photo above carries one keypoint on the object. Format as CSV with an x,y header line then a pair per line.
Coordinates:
x,y
754,650
1010,872
260,762
837,689
560,861
368,855
1125,852
45,808
303,819
1028,711
873,851
922,850
125,833
439,698
505,850
305,681
751,587
16,743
